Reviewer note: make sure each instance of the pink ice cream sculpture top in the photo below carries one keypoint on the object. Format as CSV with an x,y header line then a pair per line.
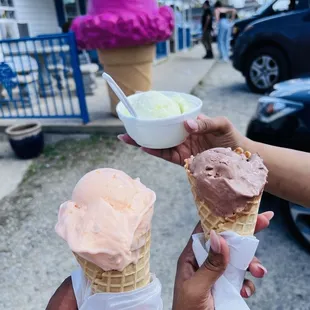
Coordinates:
x,y
123,23
106,219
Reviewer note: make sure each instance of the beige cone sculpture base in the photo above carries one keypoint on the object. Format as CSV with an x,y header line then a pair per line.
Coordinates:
x,y
131,68
134,276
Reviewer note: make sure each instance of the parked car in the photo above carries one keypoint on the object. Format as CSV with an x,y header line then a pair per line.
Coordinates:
x,y
283,119
270,8
274,49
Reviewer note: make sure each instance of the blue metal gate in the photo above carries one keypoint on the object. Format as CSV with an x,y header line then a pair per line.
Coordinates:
x,y
40,77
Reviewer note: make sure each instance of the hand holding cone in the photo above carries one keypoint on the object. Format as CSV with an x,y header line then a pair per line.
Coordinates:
x,y
134,276
242,222
107,225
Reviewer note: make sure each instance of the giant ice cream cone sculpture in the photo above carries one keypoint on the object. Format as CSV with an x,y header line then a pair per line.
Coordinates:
x,y
107,225
227,188
124,33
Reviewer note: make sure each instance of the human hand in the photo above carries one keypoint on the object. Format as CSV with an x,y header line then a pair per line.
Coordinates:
x,y
193,284
204,133
63,298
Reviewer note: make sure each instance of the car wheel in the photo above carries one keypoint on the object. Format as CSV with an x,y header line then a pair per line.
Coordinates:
x,y
265,68
299,218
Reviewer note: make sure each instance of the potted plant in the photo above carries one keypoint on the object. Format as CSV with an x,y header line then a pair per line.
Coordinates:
x,y
26,140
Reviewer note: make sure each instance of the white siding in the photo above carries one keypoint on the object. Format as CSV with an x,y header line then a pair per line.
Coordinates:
x,y
39,14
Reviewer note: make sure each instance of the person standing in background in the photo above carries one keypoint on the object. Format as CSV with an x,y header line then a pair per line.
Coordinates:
x,y
206,23
223,37
224,26
219,8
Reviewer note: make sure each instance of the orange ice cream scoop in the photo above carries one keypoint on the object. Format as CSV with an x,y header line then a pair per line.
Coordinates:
x,y
107,218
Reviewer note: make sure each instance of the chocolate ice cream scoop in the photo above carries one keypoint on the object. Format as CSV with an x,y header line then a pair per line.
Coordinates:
x,y
226,180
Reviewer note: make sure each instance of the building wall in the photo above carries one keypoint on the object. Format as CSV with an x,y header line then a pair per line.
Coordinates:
x,y
39,14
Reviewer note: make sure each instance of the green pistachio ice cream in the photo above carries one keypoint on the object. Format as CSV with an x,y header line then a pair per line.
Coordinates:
x,y
155,105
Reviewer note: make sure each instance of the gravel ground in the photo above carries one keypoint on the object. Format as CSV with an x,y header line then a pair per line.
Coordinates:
x,y
34,261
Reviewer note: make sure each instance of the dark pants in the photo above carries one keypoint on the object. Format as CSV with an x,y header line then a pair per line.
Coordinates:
x,y
207,40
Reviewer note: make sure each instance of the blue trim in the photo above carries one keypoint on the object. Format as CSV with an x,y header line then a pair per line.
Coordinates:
x,y
82,4
180,39
161,50
61,16
78,77
42,116
188,38
37,38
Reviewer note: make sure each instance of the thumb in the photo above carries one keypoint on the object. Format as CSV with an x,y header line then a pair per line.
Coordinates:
x,y
215,264
204,124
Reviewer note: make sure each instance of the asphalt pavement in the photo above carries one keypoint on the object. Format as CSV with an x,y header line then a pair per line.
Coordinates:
x,y
34,260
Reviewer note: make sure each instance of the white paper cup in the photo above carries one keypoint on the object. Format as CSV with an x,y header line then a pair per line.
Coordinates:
x,y
160,133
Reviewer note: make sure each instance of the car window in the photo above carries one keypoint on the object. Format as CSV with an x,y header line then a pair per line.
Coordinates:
x,y
302,4
287,5
264,7
281,5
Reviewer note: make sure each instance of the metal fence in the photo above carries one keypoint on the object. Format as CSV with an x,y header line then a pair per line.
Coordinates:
x,y
41,77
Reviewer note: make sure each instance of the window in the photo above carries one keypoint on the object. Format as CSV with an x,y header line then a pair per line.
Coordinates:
x,y
72,9
6,3
7,10
287,5
281,5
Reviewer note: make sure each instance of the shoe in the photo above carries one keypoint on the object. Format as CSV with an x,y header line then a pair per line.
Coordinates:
x,y
209,55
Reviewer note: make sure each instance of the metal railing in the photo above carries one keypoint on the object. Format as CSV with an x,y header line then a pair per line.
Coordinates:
x,y
40,77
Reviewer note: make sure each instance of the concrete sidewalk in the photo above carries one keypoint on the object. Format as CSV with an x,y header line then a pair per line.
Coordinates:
x,y
12,169
180,72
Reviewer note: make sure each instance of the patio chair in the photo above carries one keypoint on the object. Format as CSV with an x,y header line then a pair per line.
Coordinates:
x,y
7,80
27,76
28,87
22,64
59,69
24,75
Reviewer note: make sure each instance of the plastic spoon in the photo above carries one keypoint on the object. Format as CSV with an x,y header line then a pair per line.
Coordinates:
x,y
119,93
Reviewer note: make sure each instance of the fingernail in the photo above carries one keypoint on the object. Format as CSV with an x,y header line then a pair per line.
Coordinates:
x,y
262,268
248,291
192,124
269,215
215,242
121,138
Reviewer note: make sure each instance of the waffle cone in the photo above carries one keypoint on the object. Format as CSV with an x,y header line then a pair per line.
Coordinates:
x,y
130,67
134,276
242,223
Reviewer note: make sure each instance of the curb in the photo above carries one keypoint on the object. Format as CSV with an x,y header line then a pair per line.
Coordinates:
x,y
67,128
